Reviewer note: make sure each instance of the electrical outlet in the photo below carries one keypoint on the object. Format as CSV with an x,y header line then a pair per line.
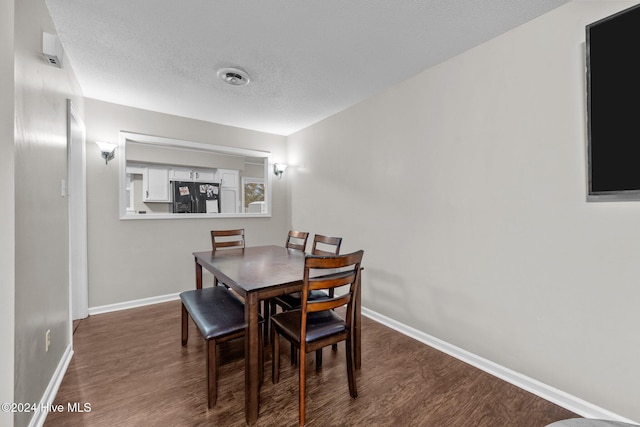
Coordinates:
x,y
47,337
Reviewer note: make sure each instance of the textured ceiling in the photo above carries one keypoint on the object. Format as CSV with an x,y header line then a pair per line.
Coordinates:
x,y
308,59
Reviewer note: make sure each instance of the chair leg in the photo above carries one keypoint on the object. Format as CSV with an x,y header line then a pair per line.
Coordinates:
x,y
261,357
212,368
272,306
294,355
334,347
267,319
275,356
318,359
302,376
272,311
350,368
185,325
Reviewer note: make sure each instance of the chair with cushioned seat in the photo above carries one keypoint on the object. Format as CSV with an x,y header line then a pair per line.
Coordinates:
x,y
331,247
297,240
219,315
226,239
322,245
316,324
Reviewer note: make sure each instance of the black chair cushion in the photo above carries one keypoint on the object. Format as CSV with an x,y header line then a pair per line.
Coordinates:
x,y
215,310
294,300
319,325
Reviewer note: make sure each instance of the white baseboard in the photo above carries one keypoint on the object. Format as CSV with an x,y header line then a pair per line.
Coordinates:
x,y
132,304
52,389
559,397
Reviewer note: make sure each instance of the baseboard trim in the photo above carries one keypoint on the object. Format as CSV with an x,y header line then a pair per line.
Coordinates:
x,y
559,397
52,389
132,304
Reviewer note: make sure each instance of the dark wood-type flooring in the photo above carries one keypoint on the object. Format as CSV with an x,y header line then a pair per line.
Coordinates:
x,y
130,367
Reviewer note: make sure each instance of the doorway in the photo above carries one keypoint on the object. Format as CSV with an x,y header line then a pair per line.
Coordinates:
x,y
77,195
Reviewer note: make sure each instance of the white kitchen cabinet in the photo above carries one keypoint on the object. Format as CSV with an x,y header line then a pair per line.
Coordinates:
x,y
229,200
155,184
229,178
204,175
229,190
180,174
192,174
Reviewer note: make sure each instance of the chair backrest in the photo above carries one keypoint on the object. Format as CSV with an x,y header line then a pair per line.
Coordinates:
x,y
325,245
344,270
227,239
297,240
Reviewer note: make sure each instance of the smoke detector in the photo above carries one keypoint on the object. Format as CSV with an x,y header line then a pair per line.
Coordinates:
x,y
52,49
234,76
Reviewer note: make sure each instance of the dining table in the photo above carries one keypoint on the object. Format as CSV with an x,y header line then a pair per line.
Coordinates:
x,y
259,273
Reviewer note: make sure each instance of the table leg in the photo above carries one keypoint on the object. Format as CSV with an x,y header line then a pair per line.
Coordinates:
x,y
252,359
198,275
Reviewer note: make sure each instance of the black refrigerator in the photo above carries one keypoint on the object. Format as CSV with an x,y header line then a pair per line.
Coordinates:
x,y
196,197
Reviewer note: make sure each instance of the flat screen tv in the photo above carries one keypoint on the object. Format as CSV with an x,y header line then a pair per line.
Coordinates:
x,y
613,106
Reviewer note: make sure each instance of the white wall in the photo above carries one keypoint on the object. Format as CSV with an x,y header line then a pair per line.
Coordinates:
x,y
7,216
136,259
466,187
41,213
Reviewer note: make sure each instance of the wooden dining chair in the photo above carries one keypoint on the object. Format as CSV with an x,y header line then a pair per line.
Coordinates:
x,y
226,239
326,245
322,245
219,315
297,240
316,324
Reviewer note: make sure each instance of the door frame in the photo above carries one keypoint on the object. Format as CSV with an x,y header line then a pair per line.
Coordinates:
x,y
77,196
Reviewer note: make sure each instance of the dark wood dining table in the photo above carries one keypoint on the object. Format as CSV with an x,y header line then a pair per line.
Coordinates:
x,y
259,273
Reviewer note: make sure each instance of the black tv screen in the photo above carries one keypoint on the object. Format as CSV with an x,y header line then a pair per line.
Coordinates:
x,y
613,106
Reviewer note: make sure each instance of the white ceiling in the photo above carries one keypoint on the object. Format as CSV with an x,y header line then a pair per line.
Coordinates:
x,y
308,59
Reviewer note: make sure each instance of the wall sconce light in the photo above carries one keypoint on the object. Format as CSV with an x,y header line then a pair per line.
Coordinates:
x,y
278,169
107,150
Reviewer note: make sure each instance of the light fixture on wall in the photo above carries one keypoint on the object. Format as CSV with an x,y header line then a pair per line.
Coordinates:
x,y
278,169
107,150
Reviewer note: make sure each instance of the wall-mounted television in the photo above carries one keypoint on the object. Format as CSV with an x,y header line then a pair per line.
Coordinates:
x,y
613,106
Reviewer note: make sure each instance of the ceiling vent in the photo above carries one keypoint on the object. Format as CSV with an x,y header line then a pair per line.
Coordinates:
x,y
234,76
